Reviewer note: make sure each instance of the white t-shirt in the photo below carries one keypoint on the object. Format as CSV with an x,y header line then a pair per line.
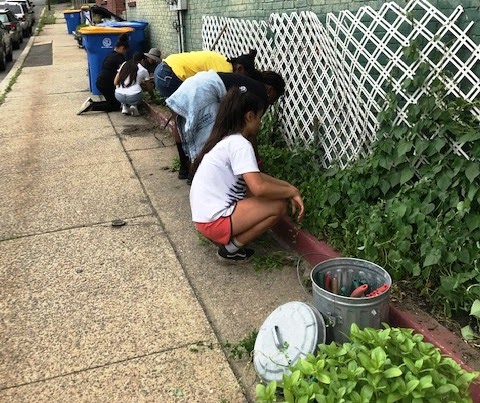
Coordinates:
x,y
135,88
218,183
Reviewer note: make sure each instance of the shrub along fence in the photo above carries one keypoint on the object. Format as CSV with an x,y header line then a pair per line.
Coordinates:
x,y
337,74
381,117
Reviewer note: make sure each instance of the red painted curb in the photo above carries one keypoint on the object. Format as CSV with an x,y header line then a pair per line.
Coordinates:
x,y
316,251
160,116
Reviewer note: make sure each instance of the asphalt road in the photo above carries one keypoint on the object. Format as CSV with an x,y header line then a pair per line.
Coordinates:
x,y
39,4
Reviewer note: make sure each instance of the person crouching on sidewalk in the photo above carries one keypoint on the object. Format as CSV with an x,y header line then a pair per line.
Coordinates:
x,y
129,80
231,201
106,77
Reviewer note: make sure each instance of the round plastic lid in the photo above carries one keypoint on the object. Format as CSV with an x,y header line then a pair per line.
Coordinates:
x,y
93,30
132,24
290,332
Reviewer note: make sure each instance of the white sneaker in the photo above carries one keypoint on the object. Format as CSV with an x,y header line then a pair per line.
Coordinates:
x,y
125,109
86,106
134,110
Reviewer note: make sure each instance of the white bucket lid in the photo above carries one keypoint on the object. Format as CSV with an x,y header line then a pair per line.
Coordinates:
x,y
290,332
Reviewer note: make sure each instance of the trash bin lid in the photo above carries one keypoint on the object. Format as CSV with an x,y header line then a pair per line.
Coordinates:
x,y
70,11
93,30
133,24
290,332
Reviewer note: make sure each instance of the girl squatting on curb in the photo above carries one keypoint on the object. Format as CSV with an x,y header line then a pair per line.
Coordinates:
x,y
232,202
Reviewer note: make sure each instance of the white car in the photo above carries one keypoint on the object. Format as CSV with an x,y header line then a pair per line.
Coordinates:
x,y
20,10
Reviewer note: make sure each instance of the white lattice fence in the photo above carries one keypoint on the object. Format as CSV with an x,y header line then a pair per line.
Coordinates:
x,y
233,37
337,74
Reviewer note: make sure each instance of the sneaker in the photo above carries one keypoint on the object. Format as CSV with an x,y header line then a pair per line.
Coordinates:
x,y
134,110
86,106
240,256
125,109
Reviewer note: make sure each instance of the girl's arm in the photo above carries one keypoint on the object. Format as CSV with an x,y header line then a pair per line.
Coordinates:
x,y
274,180
263,185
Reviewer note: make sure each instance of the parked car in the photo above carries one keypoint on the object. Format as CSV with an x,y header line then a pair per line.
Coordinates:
x,y
21,12
6,52
28,5
13,25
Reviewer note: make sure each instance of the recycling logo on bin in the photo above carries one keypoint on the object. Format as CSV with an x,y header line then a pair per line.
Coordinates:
x,y
106,43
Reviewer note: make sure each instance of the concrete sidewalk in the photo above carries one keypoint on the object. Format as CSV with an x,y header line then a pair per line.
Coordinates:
x,y
92,312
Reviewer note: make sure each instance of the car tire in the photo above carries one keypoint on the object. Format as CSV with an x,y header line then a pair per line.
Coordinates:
x,y
20,38
26,33
3,61
16,45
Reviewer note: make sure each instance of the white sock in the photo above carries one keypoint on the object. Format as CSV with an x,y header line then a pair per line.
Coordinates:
x,y
233,246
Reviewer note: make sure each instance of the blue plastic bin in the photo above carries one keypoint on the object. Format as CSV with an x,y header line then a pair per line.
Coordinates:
x,y
137,38
99,42
72,17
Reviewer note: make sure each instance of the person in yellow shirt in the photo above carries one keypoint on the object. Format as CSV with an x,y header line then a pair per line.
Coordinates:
x,y
176,68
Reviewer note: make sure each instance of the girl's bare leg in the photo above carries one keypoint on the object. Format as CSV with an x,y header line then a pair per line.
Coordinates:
x,y
255,215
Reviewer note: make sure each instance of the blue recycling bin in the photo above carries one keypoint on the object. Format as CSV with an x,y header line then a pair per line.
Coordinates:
x,y
137,38
99,42
72,17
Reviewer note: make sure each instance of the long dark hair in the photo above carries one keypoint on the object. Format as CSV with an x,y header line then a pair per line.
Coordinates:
x,y
122,41
231,117
128,70
275,80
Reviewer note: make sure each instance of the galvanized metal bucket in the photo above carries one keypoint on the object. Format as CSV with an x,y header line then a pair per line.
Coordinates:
x,y
340,311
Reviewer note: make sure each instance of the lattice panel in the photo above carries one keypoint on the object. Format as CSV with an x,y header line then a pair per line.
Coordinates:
x,y
233,37
336,74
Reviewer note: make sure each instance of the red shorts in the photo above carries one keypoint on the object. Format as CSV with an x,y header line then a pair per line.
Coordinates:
x,y
219,231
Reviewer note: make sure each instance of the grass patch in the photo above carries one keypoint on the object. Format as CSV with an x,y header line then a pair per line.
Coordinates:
x,y
273,260
47,18
12,81
175,165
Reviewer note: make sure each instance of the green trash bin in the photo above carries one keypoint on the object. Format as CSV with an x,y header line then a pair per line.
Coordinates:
x,y
99,42
72,17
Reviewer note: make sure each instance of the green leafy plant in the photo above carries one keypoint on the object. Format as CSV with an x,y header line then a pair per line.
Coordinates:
x,y
467,331
413,205
175,165
242,348
154,98
377,365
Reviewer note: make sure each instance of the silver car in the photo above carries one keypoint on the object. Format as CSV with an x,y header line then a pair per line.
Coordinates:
x,y
21,12
13,26
6,51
